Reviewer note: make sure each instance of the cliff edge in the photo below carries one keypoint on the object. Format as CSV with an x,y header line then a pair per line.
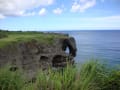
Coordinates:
x,y
31,55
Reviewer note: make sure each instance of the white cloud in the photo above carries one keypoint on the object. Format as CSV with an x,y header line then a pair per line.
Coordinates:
x,y
108,22
42,12
75,7
110,19
82,5
20,7
45,2
105,19
93,23
2,16
102,20
57,11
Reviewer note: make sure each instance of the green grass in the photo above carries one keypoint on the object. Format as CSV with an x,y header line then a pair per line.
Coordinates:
x,y
15,37
89,76
10,80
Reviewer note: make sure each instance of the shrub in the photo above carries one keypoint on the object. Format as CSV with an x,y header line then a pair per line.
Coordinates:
x,y
69,78
3,35
107,78
90,76
10,80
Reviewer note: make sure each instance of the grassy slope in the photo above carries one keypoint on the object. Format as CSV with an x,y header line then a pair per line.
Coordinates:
x,y
90,76
27,36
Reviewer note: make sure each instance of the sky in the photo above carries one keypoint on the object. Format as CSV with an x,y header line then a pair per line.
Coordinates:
x,y
45,15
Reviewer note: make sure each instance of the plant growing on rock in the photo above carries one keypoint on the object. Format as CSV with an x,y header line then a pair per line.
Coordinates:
x,y
10,80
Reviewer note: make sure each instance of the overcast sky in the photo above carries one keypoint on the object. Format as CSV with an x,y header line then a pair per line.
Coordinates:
x,y
59,14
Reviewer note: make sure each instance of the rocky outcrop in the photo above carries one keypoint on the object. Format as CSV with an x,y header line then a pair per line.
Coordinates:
x,y
70,43
32,55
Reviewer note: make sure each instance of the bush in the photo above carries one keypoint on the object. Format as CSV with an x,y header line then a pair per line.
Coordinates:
x,y
2,35
69,78
10,80
113,81
90,76
107,78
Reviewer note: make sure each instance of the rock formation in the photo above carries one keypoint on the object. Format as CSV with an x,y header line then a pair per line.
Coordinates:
x,y
32,55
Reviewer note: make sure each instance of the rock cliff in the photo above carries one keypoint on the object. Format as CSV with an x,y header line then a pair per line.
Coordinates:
x,y
32,55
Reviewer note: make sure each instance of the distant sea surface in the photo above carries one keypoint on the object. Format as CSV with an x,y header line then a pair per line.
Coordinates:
x,y
103,45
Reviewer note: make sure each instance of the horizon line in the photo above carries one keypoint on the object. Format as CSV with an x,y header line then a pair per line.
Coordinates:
x,y
63,30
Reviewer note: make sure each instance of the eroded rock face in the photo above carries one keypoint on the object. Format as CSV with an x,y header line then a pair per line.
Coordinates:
x,y
32,56
70,43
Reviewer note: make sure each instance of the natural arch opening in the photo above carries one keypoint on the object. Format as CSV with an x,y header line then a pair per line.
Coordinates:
x,y
44,62
67,50
13,68
59,61
69,46
43,58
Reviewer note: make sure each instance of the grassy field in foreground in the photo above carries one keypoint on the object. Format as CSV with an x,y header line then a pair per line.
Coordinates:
x,y
90,76
8,37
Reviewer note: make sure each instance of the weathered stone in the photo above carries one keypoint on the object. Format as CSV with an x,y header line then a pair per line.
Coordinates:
x,y
32,56
70,43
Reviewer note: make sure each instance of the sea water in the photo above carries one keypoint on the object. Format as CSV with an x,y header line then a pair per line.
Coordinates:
x,y
103,45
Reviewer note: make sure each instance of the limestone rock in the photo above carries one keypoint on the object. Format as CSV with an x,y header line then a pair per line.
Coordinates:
x,y
32,56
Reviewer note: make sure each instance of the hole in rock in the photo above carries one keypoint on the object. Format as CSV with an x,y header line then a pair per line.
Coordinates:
x,y
67,50
43,58
13,68
58,61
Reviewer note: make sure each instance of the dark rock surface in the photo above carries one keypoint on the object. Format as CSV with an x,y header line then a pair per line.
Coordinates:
x,y
31,56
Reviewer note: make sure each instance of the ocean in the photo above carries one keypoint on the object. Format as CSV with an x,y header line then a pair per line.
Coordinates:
x,y
101,45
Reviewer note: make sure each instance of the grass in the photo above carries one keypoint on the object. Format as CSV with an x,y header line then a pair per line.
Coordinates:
x,y
10,37
90,76
10,80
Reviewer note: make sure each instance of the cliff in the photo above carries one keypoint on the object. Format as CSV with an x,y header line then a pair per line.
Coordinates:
x,y
32,55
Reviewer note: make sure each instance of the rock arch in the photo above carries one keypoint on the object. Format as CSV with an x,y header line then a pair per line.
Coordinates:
x,y
59,61
69,43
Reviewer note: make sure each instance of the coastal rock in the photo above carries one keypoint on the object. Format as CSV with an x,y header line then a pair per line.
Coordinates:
x,y
32,55
70,43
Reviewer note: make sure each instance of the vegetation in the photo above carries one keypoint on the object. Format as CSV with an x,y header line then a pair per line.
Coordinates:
x,y
10,37
90,76
2,35
10,80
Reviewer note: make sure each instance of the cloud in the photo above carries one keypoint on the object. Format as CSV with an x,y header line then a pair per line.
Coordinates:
x,y
57,11
42,12
1,16
110,19
105,19
102,20
75,7
45,2
82,5
21,7
92,23
108,22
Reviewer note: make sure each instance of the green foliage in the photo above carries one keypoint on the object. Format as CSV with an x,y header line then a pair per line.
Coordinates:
x,y
109,79
10,80
8,37
90,76
87,74
3,34
69,78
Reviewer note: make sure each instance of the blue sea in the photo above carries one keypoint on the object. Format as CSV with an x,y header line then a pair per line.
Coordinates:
x,y
103,45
